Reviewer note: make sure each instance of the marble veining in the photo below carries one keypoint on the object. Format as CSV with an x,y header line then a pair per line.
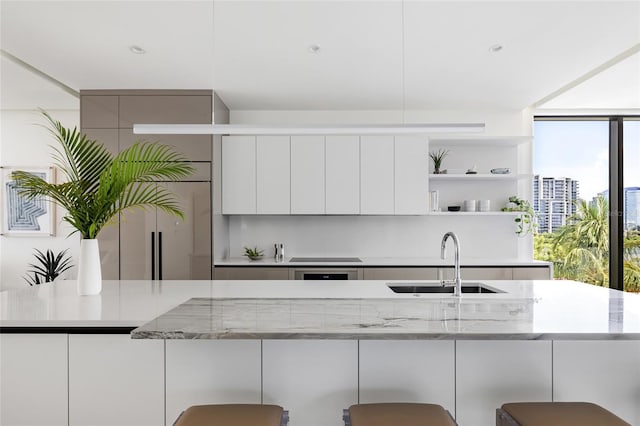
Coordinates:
x,y
471,318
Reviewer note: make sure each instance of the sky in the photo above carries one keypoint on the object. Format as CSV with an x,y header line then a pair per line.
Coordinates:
x,y
579,150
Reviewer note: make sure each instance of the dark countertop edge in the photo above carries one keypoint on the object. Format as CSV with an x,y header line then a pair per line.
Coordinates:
x,y
66,329
383,336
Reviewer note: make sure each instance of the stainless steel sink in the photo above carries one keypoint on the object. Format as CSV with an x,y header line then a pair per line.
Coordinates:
x,y
413,288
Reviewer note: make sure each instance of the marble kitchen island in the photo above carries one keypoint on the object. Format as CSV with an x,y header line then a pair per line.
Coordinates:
x,y
314,348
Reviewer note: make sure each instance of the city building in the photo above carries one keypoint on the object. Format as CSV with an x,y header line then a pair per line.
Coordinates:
x,y
631,213
554,201
632,208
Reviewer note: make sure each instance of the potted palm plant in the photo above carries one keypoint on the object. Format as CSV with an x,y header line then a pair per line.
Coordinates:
x,y
48,267
98,186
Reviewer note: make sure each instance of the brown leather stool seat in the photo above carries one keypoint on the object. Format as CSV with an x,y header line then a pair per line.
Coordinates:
x,y
232,415
556,414
398,414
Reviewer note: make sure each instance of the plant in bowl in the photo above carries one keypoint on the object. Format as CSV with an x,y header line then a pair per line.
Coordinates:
x,y
253,253
437,157
49,266
98,187
525,221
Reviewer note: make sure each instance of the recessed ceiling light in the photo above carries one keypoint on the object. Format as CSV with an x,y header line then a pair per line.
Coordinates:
x,y
496,48
314,48
137,50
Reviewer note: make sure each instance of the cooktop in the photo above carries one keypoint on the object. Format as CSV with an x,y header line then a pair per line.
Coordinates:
x,y
325,259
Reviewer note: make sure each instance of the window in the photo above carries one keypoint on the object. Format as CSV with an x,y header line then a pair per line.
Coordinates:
x,y
586,200
631,204
570,198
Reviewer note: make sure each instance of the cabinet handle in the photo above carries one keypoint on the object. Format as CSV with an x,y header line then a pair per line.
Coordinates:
x,y
160,255
153,255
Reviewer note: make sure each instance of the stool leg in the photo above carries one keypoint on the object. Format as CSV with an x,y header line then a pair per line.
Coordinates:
x,y
504,419
346,418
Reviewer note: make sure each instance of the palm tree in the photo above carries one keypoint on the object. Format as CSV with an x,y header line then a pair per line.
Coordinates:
x,y
99,186
632,261
584,244
580,250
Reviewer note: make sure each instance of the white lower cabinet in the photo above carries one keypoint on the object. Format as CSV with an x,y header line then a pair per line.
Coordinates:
x,y
606,373
33,379
490,373
408,371
211,372
313,379
115,380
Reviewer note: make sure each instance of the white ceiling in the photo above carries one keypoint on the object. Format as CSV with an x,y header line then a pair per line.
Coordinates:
x,y
261,58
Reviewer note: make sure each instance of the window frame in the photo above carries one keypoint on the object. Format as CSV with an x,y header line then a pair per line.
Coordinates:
x,y
616,187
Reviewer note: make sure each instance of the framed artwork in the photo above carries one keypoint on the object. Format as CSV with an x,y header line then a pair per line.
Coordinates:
x,y
24,217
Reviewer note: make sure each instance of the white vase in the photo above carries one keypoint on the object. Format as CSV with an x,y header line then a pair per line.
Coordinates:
x,y
89,271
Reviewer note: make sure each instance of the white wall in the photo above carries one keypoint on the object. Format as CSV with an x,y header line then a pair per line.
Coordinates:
x,y
383,236
24,144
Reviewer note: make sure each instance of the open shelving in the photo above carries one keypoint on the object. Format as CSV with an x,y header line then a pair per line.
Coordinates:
x,y
479,176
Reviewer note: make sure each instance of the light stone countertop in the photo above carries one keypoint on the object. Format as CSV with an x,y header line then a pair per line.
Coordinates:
x,y
379,261
335,309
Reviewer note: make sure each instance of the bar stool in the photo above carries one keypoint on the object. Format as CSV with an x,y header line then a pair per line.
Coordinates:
x,y
233,415
397,414
556,414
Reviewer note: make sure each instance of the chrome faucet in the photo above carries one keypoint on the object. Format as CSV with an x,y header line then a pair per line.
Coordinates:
x,y
457,281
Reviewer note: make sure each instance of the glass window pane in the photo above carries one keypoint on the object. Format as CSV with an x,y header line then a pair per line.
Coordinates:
x,y
570,198
631,213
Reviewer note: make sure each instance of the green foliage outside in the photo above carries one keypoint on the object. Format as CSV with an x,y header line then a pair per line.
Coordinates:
x,y
580,250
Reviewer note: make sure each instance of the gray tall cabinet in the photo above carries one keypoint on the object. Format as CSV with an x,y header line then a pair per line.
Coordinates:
x,y
152,244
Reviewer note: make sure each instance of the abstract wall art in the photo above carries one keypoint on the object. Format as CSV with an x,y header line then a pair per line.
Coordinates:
x,y
22,216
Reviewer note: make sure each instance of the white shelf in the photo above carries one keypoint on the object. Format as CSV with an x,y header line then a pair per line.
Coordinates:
x,y
492,213
479,176
479,140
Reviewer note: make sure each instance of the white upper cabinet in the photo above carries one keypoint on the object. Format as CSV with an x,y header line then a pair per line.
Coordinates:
x,y
307,175
411,171
377,169
317,175
239,175
342,174
273,174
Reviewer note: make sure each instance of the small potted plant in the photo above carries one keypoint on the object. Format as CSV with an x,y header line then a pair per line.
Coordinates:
x,y
525,221
437,157
253,253
49,266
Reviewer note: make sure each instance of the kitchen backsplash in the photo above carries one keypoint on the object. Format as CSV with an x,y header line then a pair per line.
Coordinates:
x,y
376,236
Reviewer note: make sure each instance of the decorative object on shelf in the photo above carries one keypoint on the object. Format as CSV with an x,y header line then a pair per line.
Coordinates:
x,y
470,205
472,171
26,216
434,201
525,221
437,157
49,266
453,208
484,205
98,186
253,253
453,171
501,171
